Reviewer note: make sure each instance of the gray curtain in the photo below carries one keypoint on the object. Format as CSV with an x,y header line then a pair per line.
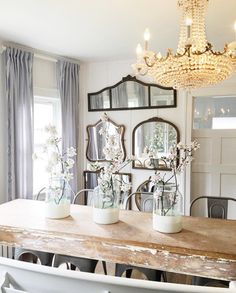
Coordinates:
x,y
18,76
68,84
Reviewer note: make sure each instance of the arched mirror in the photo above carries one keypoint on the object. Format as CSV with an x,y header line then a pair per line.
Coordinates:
x,y
97,142
151,142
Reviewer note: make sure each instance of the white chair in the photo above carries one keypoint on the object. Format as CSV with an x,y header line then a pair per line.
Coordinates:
x,y
21,277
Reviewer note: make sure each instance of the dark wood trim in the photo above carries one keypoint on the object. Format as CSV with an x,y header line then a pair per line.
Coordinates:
x,y
122,133
134,79
154,119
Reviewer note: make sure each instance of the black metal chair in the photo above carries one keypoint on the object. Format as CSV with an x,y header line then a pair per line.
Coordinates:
x,y
217,207
144,202
44,258
83,264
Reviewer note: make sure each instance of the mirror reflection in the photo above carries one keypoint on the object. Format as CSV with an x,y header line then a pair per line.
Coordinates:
x,y
91,181
129,94
152,141
100,100
97,142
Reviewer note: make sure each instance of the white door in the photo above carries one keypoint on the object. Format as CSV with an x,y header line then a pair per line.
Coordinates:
x,y
214,166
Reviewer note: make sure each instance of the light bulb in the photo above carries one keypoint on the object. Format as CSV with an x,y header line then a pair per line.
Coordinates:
x,y
146,35
235,26
139,50
188,21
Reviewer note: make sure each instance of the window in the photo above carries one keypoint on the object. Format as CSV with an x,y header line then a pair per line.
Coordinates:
x,y
47,110
214,112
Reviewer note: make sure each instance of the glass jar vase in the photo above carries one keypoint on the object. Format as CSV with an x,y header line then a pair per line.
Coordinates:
x,y
58,199
106,206
167,208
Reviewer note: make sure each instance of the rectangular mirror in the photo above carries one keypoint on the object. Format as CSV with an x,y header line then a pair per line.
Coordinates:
x,y
100,100
161,97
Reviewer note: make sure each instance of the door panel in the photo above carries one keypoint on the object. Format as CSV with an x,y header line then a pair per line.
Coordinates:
x,y
214,167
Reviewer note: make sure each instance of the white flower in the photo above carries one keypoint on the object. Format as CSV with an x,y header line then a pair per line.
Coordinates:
x,y
68,176
54,158
102,131
71,152
48,168
51,129
69,163
156,178
34,156
51,141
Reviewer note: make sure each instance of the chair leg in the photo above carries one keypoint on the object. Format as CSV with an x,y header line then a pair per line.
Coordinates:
x,y
128,273
104,266
72,267
164,277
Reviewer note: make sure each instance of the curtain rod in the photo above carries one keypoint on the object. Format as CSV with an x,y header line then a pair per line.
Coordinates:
x,y
41,54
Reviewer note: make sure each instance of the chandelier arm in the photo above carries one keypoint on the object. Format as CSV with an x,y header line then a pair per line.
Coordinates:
x,y
147,63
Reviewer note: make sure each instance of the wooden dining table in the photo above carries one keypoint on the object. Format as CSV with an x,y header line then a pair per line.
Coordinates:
x,y
205,247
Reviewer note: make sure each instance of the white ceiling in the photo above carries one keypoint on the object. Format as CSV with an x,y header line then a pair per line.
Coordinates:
x,y
98,30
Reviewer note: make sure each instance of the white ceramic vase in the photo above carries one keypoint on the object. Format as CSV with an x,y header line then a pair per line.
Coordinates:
x,y
57,211
106,216
106,206
167,224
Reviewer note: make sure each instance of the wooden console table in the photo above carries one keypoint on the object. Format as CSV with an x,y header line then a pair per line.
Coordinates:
x,y
205,247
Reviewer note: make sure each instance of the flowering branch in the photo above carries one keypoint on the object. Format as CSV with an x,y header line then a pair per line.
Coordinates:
x,y
183,154
59,164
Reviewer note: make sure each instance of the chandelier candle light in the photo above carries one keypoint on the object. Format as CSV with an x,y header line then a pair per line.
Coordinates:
x,y
195,64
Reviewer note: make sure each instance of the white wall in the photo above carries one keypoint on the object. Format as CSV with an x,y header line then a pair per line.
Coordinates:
x,y
44,78
94,77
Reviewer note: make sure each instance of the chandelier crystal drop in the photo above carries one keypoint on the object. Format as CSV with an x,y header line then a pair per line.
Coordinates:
x,y
195,64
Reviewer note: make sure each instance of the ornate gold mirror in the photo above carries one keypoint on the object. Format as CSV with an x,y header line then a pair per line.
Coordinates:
x,y
151,142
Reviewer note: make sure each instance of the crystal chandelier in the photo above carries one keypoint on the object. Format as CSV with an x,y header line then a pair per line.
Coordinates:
x,y
195,64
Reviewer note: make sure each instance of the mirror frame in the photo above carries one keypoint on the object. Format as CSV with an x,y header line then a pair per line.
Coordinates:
x,y
122,133
134,79
154,119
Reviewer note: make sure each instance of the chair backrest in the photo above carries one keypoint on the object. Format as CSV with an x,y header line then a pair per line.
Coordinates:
x,y
88,196
217,207
145,201
22,277
144,196
41,194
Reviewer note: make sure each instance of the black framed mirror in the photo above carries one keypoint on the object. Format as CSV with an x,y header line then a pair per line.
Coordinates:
x,y
97,142
151,141
130,94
